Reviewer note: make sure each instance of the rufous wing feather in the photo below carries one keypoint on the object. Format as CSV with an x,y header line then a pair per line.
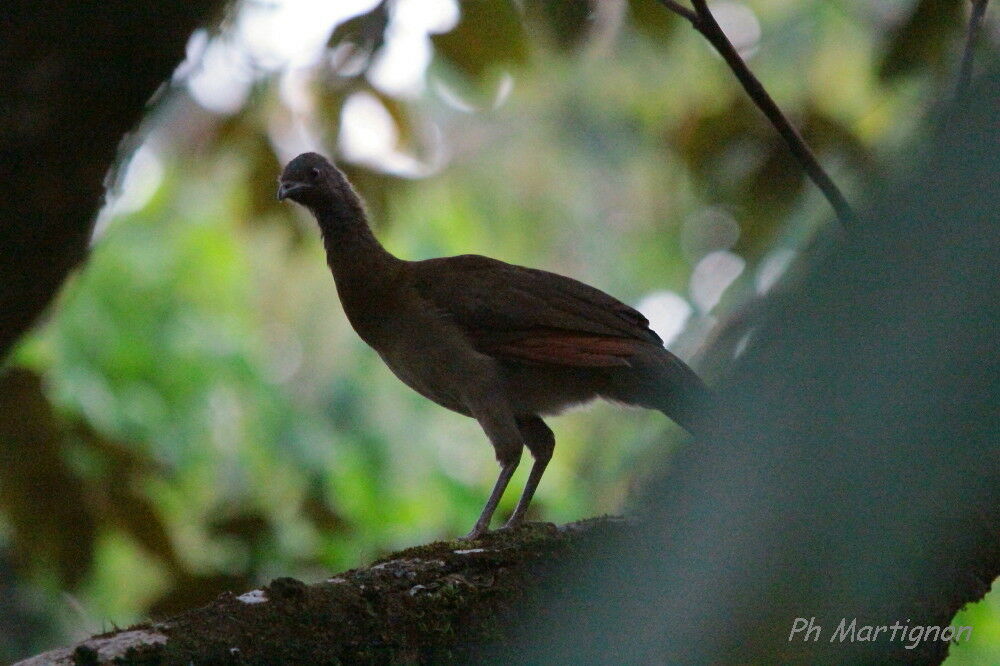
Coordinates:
x,y
564,348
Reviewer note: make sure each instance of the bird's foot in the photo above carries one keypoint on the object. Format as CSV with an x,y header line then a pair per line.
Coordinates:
x,y
516,519
512,524
477,532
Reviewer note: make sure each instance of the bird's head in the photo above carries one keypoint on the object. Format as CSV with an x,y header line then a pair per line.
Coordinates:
x,y
312,181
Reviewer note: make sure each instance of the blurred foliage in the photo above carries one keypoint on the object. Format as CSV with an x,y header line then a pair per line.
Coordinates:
x,y
650,20
925,39
488,35
745,161
197,413
364,32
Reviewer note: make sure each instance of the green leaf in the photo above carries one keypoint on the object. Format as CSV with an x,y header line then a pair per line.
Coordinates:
x,y
367,30
653,19
41,497
924,40
490,34
565,23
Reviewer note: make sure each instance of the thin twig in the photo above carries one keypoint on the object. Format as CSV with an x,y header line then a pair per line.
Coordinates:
x,y
681,10
703,21
975,25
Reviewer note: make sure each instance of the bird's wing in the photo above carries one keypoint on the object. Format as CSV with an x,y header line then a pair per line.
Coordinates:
x,y
529,315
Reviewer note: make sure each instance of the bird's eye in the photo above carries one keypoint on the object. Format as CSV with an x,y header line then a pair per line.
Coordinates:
x,y
314,173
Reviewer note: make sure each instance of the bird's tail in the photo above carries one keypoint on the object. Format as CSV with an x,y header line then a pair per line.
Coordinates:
x,y
680,393
659,380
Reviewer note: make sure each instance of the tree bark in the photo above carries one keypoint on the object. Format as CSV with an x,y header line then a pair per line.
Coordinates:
x,y
445,601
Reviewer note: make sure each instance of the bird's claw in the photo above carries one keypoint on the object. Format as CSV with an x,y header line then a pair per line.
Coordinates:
x,y
477,532
510,525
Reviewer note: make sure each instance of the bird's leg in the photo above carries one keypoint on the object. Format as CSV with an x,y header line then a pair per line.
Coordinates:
x,y
483,524
507,441
541,442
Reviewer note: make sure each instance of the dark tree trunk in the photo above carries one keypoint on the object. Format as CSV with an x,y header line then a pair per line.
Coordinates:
x,y
75,78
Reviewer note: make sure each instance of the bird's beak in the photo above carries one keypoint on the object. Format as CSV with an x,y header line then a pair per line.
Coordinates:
x,y
286,190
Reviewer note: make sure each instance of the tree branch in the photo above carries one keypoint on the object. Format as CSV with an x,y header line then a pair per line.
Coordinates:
x,y
681,10
972,34
703,21
442,602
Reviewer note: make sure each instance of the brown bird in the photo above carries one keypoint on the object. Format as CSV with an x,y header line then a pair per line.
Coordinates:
x,y
497,342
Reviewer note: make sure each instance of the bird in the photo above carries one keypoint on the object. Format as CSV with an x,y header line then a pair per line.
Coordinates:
x,y
500,343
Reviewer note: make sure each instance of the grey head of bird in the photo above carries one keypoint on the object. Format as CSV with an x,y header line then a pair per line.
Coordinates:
x,y
311,180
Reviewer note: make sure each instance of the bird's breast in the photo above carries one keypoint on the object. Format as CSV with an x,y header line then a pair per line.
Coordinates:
x,y
423,349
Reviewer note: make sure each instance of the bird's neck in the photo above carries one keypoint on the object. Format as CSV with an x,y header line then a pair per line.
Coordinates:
x,y
358,261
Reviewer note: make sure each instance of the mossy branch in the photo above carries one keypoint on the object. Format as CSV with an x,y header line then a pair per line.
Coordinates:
x,y
441,602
